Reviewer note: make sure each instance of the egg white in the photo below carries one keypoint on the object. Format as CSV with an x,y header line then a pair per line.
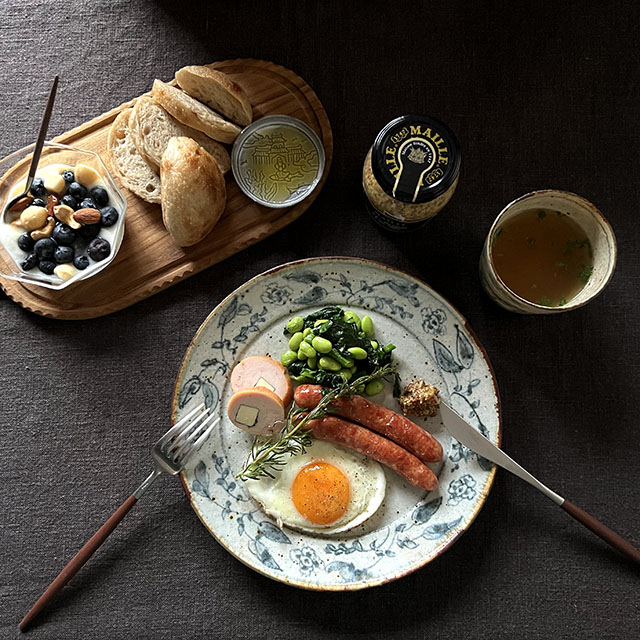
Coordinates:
x,y
367,485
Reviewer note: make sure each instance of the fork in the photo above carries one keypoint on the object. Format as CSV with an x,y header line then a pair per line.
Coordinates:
x,y
37,151
170,455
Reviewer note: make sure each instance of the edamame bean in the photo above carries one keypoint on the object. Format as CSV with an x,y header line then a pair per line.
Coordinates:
x,y
358,353
350,316
288,357
312,363
374,344
353,368
360,388
317,323
300,355
295,324
321,345
306,332
307,349
345,374
374,387
367,326
329,364
295,340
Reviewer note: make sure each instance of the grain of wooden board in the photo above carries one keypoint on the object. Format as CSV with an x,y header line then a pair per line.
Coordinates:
x,y
148,261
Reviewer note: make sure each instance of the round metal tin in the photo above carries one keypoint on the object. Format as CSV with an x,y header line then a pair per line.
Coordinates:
x,y
277,161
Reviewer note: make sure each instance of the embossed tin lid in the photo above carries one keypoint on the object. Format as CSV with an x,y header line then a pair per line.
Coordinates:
x,y
277,161
415,158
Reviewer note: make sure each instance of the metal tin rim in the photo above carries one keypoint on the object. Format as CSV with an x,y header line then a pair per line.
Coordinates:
x,y
270,121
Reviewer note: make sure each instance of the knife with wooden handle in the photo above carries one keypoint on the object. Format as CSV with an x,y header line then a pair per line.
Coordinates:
x,y
464,433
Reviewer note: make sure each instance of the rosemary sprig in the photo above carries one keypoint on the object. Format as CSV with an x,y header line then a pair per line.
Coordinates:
x,y
270,454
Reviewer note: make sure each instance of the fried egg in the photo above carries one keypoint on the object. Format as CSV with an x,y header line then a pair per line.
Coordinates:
x,y
327,489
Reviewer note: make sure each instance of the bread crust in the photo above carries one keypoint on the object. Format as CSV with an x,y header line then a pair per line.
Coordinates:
x,y
218,91
194,193
152,127
128,164
194,114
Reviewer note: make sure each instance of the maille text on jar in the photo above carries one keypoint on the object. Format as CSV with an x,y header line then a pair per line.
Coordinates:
x,y
410,172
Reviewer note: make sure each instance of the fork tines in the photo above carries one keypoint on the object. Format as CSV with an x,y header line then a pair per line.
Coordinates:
x,y
187,435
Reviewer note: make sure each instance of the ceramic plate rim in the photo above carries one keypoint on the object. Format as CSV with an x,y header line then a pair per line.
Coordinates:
x,y
483,493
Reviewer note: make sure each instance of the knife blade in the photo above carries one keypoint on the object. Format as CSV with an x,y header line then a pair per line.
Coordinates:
x,y
464,433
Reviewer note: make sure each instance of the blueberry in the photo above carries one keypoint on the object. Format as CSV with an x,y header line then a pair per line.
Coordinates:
x,y
45,248
89,231
63,254
47,266
108,216
81,262
63,234
70,201
68,177
26,242
77,190
37,188
29,262
38,202
99,249
100,196
87,203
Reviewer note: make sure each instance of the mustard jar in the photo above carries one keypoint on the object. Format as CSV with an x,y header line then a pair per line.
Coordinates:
x,y
410,172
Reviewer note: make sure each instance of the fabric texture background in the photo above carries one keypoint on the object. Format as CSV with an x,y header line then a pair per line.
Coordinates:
x,y
541,94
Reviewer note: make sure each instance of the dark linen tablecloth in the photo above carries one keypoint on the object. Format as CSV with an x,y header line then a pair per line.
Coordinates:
x,y
540,94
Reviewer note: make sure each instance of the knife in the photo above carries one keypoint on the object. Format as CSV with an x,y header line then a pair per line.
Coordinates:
x,y
464,433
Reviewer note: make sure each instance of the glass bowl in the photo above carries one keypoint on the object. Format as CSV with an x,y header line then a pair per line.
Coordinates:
x,y
13,170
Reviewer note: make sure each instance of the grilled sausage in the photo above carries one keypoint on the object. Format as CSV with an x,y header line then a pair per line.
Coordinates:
x,y
389,423
353,436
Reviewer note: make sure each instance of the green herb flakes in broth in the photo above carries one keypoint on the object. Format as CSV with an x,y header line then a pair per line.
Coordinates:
x,y
545,259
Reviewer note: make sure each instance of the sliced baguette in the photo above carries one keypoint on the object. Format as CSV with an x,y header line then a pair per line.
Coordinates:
x,y
218,91
193,113
194,193
127,162
152,128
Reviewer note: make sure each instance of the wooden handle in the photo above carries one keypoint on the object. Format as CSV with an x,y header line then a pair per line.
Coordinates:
x,y
609,536
77,561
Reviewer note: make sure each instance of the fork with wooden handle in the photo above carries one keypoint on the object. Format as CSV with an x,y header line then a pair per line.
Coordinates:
x,y
170,455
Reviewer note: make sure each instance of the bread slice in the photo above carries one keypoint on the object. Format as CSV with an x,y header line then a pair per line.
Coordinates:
x,y
217,90
194,193
152,128
193,113
127,162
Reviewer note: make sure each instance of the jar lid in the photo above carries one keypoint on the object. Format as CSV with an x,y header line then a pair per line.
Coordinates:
x,y
277,161
415,158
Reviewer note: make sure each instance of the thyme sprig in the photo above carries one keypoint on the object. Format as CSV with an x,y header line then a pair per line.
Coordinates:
x,y
270,454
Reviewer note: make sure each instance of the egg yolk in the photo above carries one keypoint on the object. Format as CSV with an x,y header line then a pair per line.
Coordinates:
x,y
320,492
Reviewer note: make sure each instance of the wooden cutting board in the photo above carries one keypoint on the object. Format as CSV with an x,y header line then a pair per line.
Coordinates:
x,y
148,261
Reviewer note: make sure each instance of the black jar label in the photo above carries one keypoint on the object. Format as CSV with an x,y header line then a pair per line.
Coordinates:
x,y
389,222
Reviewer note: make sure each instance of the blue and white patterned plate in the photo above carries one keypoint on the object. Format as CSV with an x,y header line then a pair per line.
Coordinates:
x,y
411,528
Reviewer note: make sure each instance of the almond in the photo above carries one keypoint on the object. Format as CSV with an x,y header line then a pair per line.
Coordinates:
x,y
87,216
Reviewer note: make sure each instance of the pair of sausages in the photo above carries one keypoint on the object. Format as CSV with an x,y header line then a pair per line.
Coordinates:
x,y
405,449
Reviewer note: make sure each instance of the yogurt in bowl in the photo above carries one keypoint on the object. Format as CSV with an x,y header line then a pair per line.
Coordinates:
x,y
71,224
